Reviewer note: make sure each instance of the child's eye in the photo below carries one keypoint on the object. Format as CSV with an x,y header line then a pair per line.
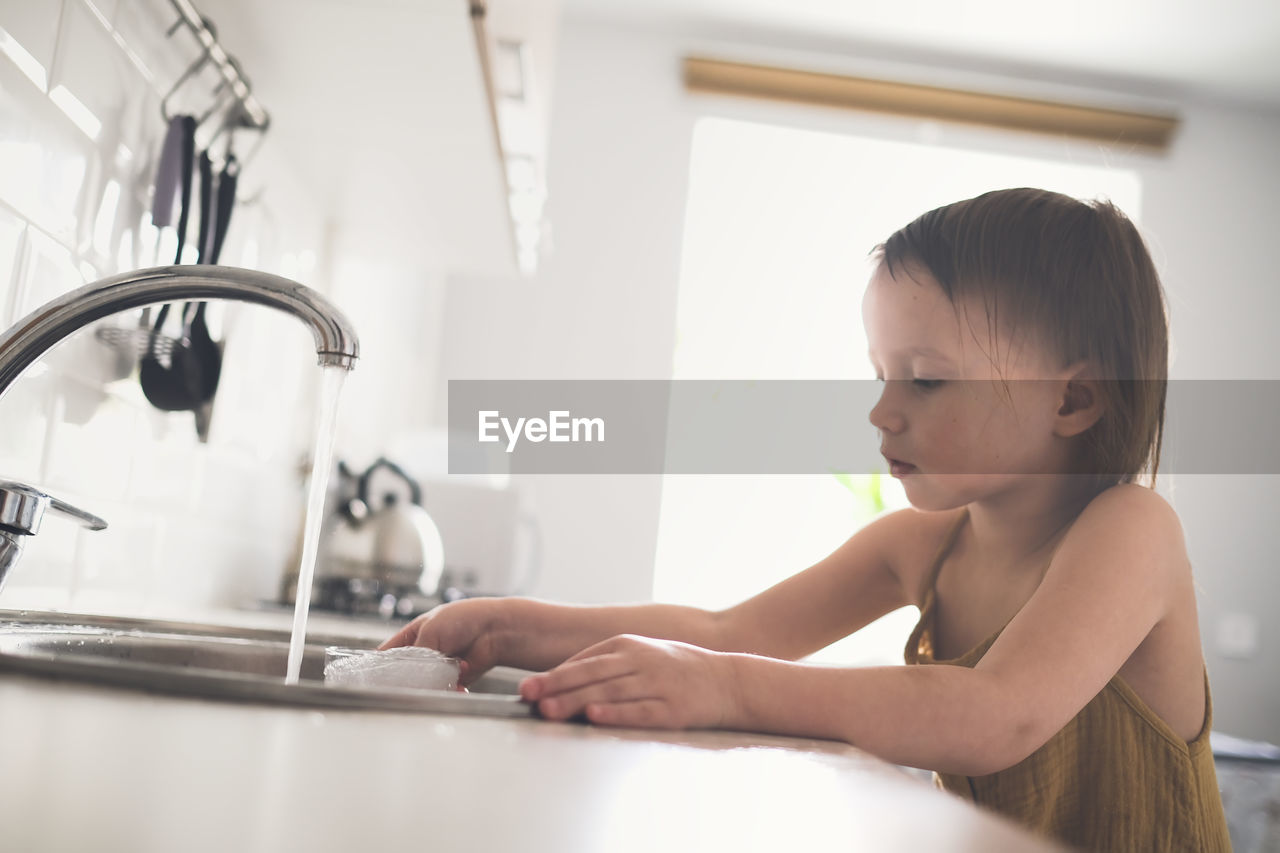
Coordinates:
x,y
927,384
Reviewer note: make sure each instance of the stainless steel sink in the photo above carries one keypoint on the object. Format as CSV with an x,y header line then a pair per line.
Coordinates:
x,y
240,664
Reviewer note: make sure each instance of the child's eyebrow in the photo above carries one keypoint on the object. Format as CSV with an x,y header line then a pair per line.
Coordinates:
x,y
926,350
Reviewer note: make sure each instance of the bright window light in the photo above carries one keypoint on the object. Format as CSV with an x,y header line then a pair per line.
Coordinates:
x,y
778,225
27,64
75,110
104,223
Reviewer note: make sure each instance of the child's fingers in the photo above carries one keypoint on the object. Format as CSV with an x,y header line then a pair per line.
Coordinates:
x,y
469,671
594,651
640,713
561,706
406,636
573,675
619,644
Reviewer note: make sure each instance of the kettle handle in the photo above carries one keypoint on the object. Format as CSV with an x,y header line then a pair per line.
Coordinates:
x,y
415,491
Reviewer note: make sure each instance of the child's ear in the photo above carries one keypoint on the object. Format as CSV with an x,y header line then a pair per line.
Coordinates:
x,y
1082,404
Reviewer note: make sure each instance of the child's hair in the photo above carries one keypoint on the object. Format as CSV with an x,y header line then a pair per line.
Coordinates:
x,y
1079,276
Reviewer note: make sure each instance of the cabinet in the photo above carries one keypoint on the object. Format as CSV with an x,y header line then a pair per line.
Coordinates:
x,y
517,39
403,120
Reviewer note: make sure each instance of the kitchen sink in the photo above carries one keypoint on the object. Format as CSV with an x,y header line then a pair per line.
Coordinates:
x,y
218,662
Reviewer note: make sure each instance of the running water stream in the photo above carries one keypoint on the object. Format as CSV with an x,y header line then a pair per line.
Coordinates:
x,y
321,467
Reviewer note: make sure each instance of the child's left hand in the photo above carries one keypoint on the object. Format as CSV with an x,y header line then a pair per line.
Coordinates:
x,y
637,681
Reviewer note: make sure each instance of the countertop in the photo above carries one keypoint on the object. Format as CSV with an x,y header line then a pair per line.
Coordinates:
x,y
99,768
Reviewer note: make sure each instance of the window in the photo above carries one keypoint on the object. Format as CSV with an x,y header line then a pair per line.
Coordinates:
x,y
778,226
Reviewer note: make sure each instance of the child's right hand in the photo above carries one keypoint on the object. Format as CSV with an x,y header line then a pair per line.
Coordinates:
x,y
469,630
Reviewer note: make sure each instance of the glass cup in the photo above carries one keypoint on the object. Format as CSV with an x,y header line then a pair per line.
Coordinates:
x,y
406,667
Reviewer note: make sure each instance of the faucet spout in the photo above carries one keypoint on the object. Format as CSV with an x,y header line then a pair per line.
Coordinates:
x,y
21,506
38,332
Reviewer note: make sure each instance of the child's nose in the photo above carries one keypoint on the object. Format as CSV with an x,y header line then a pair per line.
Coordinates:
x,y
886,414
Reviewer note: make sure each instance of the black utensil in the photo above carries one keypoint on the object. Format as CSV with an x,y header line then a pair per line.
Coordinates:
x,y
168,182
188,160
226,200
207,351
168,387
207,357
207,212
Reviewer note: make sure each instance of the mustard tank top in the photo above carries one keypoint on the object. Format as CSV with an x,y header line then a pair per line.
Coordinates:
x,y
1115,778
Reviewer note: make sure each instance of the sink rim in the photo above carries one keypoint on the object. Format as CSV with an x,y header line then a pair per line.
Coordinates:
x,y
223,685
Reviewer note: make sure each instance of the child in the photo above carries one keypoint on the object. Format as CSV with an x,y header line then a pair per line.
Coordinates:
x,y
1056,591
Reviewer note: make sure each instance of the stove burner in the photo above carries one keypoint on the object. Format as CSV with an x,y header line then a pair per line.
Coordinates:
x,y
368,597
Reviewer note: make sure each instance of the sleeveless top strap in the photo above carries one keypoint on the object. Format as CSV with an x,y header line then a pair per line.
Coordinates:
x,y
931,577
920,646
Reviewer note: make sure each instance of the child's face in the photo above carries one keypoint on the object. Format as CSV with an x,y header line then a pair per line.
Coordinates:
x,y
943,409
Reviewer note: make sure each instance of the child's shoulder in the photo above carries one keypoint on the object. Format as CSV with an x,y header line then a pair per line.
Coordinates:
x,y
915,536
1128,503
1135,495
1138,514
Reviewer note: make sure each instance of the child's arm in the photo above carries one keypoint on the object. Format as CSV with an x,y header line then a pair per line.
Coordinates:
x,y
533,634
1110,582
848,589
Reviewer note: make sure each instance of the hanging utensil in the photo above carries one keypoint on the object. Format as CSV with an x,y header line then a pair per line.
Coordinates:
x,y
226,201
169,386
205,352
208,352
168,182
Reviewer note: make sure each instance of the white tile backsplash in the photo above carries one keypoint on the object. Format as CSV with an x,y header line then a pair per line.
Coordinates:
x,y
24,423
12,230
48,560
190,523
143,26
105,9
87,457
43,155
123,557
166,476
34,25
48,269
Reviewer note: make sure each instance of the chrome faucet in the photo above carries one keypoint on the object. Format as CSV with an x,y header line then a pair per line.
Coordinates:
x,y
21,506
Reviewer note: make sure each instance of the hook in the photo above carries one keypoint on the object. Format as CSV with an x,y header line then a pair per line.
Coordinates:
x,y
232,118
200,63
235,115
229,119
217,105
235,112
245,119
164,102
257,146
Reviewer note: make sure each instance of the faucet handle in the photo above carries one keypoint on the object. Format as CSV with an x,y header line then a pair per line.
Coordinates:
x,y
86,519
22,507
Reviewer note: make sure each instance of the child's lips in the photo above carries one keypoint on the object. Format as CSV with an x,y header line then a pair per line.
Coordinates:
x,y
898,468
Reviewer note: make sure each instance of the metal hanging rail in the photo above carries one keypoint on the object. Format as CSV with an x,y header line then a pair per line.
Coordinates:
x,y
251,113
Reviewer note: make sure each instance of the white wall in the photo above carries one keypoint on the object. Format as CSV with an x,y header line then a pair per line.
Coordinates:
x,y
604,305
191,525
1211,212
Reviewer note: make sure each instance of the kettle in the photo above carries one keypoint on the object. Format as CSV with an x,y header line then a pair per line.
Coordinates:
x,y
407,549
